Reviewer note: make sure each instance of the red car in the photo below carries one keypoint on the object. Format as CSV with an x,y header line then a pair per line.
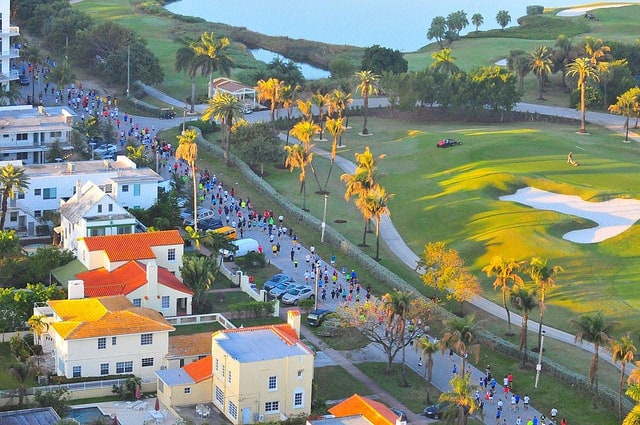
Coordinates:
x,y
445,143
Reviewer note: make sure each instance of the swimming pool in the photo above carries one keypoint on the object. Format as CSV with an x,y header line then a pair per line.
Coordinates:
x,y
85,415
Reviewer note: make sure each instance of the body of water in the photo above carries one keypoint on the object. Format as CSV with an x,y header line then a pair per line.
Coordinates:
x,y
396,24
310,72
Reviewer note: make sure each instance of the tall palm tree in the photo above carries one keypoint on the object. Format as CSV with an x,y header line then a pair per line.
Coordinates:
x,y
304,107
460,395
338,102
595,49
304,131
594,328
335,127
443,61
213,52
366,85
289,97
22,372
12,181
9,94
375,205
459,336
320,101
427,348
398,306
584,69
633,417
543,276
187,62
622,350
38,325
627,103
524,300
271,91
299,156
198,274
477,20
505,270
224,107
187,150
541,66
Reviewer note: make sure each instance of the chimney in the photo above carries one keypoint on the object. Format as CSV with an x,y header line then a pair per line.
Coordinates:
x,y
78,189
293,319
152,280
75,290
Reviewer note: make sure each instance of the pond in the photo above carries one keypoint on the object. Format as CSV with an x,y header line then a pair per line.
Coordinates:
x,y
308,71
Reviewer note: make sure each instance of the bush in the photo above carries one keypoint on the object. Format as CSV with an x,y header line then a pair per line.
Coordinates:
x,y
252,259
535,10
204,127
127,391
254,309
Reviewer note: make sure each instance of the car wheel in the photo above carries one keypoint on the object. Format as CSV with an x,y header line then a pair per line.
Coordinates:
x,y
295,302
436,416
230,258
312,297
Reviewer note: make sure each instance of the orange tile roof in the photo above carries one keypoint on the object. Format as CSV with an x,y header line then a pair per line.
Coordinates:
x,y
132,246
200,370
104,316
190,345
125,279
375,412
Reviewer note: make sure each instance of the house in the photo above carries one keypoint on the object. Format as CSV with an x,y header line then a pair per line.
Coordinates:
x,y
243,92
255,374
91,212
105,336
9,52
185,349
359,410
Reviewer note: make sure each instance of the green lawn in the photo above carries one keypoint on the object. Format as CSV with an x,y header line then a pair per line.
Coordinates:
x,y
335,383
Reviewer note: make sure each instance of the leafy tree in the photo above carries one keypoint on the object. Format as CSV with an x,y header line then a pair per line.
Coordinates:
x,y
138,154
366,85
188,151
584,69
459,336
524,300
9,94
271,91
226,108
57,399
505,270
427,347
287,71
62,75
9,243
503,18
543,276
457,21
443,61
144,65
127,391
21,301
437,30
477,20
519,62
627,104
258,143
461,398
339,102
23,373
380,59
198,274
593,328
341,68
38,325
212,54
61,27
623,351
563,55
13,180
374,206
489,87
398,305
633,391
541,66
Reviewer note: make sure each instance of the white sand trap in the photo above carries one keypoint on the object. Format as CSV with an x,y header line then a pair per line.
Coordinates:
x,y
578,11
613,216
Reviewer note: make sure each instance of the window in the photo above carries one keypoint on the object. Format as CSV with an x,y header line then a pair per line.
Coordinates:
x,y
165,301
273,383
22,136
77,371
137,302
147,361
219,396
217,364
271,406
104,368
49,193
55,134
187,390
20,195
114,340
136,189
171,254
223,372
300,374
13,216
102,343
146,339
160,386
233,410
37,213
110,207
125,188
124,367
229,376
22,155
99,208
37,192
298,399
108,188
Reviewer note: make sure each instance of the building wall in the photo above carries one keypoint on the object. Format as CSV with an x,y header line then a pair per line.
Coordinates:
x,y
154,301
162,257
184,395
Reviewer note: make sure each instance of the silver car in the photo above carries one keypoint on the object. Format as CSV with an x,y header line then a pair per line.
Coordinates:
x,y
294,295
279,290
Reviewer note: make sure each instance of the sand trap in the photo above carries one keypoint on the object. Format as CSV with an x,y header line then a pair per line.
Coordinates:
x,y
613,216
578,11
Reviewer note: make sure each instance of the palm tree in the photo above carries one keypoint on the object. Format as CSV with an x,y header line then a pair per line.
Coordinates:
x,y
299,156
10,94
271,91
398,306
22,372
224,107
335,128
38,325
593,327
187,62
461,396
563,55
338,102
427,348
627,103
523,300
444,61
459,336
622,351
320,101
375,205
541,66
543,276
633,417
477,20
198,274
288,96
584,69
503,18
505,270
304,107
367,85
12,181
62,75
212,51
595,49
187,150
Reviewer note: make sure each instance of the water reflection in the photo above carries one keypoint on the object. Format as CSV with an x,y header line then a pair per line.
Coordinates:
x,y
309,72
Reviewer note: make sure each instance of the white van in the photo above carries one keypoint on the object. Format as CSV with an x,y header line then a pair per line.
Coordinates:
x,y
244,246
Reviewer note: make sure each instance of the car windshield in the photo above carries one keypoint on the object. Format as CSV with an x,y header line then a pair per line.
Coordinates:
x,y
294,291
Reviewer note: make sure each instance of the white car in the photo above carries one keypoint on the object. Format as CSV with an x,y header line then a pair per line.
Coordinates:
x,y
295,295
105,149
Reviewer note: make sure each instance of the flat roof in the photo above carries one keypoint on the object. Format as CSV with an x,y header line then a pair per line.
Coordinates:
x,y
254,345
122,169
25,118
174,377
38,416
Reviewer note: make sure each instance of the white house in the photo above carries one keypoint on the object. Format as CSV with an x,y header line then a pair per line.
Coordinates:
x,y
7,31
106,336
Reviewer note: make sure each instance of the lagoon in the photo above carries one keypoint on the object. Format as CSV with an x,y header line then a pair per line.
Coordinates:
x,y
396,24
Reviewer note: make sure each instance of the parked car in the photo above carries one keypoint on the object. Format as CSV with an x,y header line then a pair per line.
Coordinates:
x,y
316,317
281,288
295,295
202,215
167,114
24,80
188,213
243,247
104,149
276,279
247,110
210,224
446,143
435,411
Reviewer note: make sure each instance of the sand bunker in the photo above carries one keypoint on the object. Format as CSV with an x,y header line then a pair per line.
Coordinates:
x,y
613,216
578,11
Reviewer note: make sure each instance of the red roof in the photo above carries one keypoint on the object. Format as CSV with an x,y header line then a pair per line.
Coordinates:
x,y
132,246
125,279
375,412
200,369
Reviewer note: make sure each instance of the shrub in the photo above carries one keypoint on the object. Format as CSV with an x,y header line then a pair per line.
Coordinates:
x,y
254,309
535,10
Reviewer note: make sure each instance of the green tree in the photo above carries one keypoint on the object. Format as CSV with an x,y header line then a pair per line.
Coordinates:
x,y
584,69
9,94
627,104
187,62
13,180
320,101
226,108
299,156
258,143
271,91
443,61
374,206
22,372
503,18
304,131
57,399
341,68
523,300
214,57
287,71
39,326
519,62
622,350
380,59
563,55
593,328
541,66
198,274
366,85
505,270
437,30
138,154
457,21
543,276
477,20
336,128
187,150
398,305
633,391
460,395
62,75
427,347
459,335
9,243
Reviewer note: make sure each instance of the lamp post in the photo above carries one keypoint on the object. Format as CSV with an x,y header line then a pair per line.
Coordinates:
x,y
184,118
539,365
92,145
324,218
317,270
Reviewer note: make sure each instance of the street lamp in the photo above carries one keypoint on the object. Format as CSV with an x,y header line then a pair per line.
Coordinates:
x,y
92,145
324,218
184,118
539,365
317,270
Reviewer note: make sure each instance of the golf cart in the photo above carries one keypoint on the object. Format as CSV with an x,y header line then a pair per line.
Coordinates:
x,y
167,114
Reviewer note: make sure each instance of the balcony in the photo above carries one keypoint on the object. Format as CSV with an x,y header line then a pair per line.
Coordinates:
x,y
9,76
12,32
10,54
